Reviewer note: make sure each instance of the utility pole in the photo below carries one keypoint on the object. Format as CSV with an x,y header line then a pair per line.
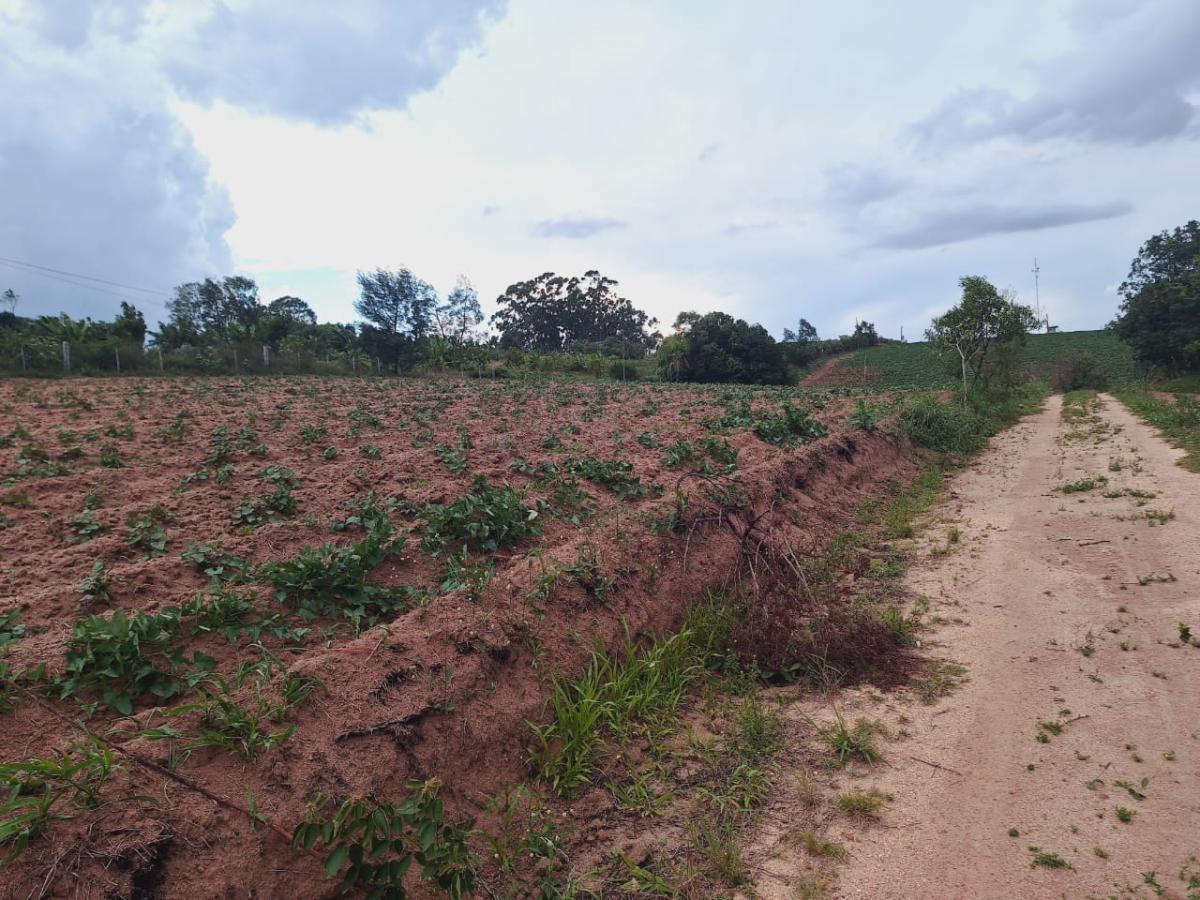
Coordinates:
x,y
1037,292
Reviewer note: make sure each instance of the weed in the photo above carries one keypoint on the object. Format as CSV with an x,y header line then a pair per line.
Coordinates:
x,y
855,741
1125,815
35,788
815,845
865,803
940,679
1046,860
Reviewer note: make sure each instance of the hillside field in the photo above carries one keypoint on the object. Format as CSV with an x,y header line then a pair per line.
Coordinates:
x,y
915,365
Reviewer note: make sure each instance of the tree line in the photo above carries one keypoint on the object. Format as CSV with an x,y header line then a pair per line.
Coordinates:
x,y
577,323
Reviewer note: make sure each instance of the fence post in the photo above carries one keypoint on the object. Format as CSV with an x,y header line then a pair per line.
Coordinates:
x,y
266,357
22,357
66,347
160,362
117,352
235,361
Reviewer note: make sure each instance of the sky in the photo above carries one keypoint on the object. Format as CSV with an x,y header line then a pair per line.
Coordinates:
x,y
774,160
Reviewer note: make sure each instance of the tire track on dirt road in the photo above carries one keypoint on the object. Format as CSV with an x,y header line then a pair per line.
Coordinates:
x,y
1081,699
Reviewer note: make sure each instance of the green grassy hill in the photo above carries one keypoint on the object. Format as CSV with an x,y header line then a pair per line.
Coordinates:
x,y
917,366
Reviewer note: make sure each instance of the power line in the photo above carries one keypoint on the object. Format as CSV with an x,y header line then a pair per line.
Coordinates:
x,y
73,283
26,266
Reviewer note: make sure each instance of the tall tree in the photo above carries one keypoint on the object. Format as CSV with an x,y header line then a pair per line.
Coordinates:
x,y
552,313
130,325
1160,306
983,318
206,309
805,333
457,318
396,303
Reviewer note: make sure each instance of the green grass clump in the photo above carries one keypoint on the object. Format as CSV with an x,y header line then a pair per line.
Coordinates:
x,y
1178,418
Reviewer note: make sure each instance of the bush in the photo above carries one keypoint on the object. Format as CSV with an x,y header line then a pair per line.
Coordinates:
x,y
622,371
945,427
1078,371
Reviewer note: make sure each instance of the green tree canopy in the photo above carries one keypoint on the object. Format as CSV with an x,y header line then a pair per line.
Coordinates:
x,y
717,347
396,302
209,309
1160,306
552,313
983,318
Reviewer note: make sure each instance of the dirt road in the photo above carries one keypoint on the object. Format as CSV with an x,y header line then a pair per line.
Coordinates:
x,y
1082,707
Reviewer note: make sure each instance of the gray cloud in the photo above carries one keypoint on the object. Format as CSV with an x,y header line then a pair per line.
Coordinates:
x,y
312,60
853,186
952,226
575,227
1131,80
98,175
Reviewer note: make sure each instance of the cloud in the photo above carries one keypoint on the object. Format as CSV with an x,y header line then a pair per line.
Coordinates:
x,y
952,226
99,175
322,62
1131,79
576,227
852,185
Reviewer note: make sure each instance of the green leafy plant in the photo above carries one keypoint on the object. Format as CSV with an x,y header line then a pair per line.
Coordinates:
x,y
124,657
486,518
332,580
95,588
616,475
147,531
376,844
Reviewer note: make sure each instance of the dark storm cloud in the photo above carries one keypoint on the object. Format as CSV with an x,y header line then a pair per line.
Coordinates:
x,y
1132,79
952,226
97,174
98,181
575,227
323,62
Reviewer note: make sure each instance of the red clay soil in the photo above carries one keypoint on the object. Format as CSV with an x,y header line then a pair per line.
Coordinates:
x,y
446,689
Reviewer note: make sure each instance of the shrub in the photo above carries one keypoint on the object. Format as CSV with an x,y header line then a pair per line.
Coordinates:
x,y
1076,371
946,427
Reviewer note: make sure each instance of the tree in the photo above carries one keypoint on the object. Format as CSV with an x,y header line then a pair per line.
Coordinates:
x,y
685,320
10,298
130,325
457,318
720,348
805,333
396,303
552,313
983,318
864,335
207,309
1160,306
292,308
